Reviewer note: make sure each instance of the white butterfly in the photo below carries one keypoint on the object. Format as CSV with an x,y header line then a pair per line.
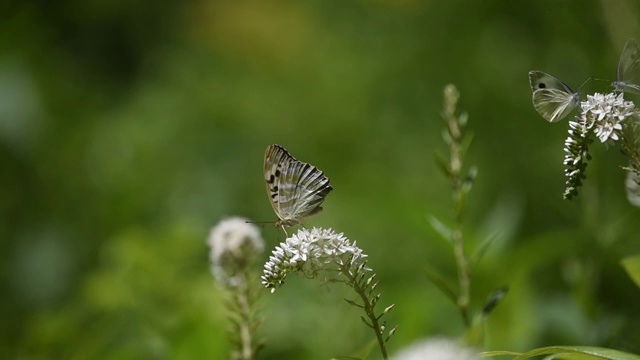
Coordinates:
x,y
296,189
629,69
552,98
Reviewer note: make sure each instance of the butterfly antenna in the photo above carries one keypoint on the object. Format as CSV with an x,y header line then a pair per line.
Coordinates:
x,y
596,79
259,222
585,82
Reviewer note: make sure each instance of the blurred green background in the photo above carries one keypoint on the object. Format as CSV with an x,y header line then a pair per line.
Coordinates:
x,y
129,129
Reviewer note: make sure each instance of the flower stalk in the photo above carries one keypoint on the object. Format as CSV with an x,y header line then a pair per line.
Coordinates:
x,y
311,252
242,315
460,185
364,288
610,119
235,244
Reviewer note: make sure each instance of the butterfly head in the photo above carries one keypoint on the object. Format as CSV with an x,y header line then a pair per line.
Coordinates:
x,y
628,79
617,86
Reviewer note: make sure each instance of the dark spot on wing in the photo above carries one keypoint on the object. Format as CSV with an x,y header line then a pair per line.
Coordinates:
x,y
277,173
271,179
542,86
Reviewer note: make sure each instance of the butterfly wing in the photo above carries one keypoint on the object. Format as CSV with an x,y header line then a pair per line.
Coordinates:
x,y
552,98
629,68
540,80
296,189
554,105
275,158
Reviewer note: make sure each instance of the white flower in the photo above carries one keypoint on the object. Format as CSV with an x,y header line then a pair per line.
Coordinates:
x,y
437,349
308,252
233,243
605,114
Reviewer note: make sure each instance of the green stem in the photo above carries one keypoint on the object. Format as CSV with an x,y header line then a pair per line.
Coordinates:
x,y
367,306
243,311
245,329
463,275
451,97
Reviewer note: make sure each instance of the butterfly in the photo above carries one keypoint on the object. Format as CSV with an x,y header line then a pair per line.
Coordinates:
x,y
552,98
629,69
296,189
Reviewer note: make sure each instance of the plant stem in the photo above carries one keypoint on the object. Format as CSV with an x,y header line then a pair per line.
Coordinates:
x,y
243,303
463,275
367,306
451,96
247,349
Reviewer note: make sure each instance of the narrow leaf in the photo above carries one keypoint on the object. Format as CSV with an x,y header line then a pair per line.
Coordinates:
x,y
494,299
443,230
442,164
483,247
591,352
364,352
488,354
632,265
442,284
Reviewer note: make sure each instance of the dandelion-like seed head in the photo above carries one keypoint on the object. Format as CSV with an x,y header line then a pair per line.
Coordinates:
x,y
234,244
308,252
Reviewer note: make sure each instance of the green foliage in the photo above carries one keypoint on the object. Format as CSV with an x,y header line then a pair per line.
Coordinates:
x,y
632,266
128,129
570,353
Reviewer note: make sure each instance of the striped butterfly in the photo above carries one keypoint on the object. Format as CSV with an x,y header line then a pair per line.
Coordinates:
x,y
629,69
552,98
296,189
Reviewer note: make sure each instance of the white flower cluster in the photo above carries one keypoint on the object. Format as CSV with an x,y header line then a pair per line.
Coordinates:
x,y
603,116
308,252
575,152
604,113
234,243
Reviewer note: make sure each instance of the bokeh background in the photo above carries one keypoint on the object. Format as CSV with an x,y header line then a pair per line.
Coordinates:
x,y
129,129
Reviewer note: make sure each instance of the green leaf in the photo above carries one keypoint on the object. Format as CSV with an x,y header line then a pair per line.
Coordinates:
x,y
442,284
465,144
463,119
494,299
442,164
482,248
632,265
570,353
488,354
361,354
443,230
474,334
